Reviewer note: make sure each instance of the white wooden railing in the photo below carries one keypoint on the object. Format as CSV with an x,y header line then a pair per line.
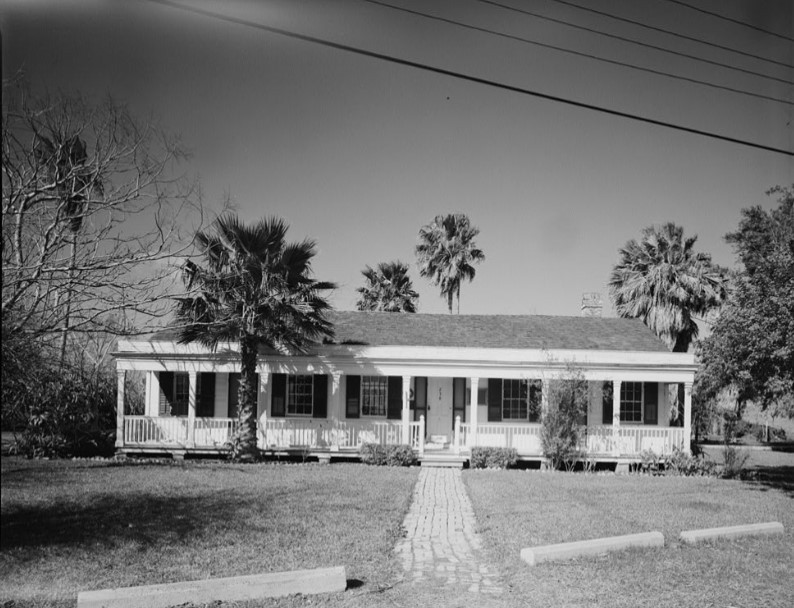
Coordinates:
x,y
597,440
416,435
334,434
626,440
173,430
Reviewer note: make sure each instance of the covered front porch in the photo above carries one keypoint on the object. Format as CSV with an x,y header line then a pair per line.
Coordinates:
x,y
330,404
155,434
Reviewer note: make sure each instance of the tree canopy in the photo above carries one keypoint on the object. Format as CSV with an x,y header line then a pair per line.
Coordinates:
x,y
447,253
663,281
254,289
387,288
751,347
93,211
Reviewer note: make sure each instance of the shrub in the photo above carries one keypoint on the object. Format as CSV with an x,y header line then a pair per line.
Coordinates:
x,y
400,455
775,433
70,414
733,462
688,465
567,398
493,458
649,462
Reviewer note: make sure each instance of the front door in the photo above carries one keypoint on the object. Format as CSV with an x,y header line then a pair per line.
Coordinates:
x,y
439,407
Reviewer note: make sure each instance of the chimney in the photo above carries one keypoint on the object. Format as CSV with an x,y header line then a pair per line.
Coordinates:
x,y
591,304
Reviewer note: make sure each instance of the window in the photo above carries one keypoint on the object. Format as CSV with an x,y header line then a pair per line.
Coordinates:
x,y
374,391
515,402
300,395
181,394
631,402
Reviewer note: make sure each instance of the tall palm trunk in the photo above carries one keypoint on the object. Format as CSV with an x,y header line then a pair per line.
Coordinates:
x,y
245,440
68,312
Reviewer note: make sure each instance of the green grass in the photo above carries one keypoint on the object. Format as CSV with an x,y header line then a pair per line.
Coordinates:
x,y
69,526
538,508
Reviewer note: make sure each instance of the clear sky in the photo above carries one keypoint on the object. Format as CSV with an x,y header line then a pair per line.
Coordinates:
x,y
358,153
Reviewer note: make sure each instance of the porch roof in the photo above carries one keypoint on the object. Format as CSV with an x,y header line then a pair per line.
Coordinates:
x,y
487,331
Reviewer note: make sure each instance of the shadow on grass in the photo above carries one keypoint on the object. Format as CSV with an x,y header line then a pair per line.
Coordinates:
x,y
147,519
779,478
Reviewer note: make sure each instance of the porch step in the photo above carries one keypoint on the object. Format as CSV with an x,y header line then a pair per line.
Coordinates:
x,y
442,460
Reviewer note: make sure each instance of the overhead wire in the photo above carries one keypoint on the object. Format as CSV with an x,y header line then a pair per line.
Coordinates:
x,y
465,77
730,19
580,53
633,41
670,32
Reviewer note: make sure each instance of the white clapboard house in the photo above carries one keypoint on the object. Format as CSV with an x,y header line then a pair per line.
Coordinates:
x,y
443,382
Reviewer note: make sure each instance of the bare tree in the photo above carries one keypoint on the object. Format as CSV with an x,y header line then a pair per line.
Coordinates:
x,y
93,214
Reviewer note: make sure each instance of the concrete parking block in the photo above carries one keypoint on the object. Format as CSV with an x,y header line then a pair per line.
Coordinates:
x,y
696,536
595,546
231,589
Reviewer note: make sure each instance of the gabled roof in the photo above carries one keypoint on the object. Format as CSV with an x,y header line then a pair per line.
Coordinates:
x,y
494,331
486,331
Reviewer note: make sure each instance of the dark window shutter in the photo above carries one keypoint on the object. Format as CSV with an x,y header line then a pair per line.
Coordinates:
x,y
278,399
234,387
353,397
494,399
206,400
459,399
166,392
651,405
394,405
535,400
320,396
420,397
606,403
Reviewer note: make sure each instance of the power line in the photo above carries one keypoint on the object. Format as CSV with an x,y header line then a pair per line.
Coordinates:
x,y
726,18
580,54
632,41
671,33
466,77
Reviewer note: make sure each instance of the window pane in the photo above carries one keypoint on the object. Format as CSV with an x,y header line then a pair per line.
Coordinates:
x,y
631,402
373,395
515,404
300,395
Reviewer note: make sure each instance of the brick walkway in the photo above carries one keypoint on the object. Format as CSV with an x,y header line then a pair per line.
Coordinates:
x,y
441,545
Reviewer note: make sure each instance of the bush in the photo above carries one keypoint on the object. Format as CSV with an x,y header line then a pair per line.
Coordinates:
x,y
733,462
400,455
775,433
688,465
493,458
69,413
567,397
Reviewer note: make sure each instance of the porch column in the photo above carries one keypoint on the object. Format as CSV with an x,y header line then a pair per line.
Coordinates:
x,y
406,412
261,405
149,408
616,417
336,408
120,377
191,410
475,385
687,416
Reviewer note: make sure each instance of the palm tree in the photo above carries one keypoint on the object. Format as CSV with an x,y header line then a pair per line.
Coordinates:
x,y
446,253
254,289
388,288
662,281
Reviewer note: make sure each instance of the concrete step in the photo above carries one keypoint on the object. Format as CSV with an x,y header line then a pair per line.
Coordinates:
x,y
442,460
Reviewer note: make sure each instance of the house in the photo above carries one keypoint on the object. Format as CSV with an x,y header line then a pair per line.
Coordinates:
x,y
431,381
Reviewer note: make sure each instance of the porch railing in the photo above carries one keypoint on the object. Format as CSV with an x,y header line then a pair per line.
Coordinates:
x,y
602,440
596,440
334,434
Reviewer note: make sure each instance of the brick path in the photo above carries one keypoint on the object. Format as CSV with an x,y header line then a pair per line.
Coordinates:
x,y
441,545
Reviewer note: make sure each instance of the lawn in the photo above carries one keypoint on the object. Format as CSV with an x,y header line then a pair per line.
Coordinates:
x,y
537,508
77,525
